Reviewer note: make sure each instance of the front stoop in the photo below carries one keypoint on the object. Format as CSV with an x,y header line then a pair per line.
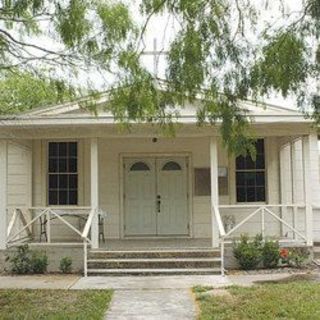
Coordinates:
x,y
154,262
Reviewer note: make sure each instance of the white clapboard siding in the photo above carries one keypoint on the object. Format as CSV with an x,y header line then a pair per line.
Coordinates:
x,y
19,182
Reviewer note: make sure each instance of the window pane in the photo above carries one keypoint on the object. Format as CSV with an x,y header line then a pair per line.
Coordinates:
x,y
171,166
241,194
250,186
250,178
241,179
240,163
260,161
53,149
63,181
62,149
260,180
260,194
73,149
247,163
73,165
260,146
73,181
73,197
63,195
62,165
53,198
139,166
53,181
251,195
53,165
250,164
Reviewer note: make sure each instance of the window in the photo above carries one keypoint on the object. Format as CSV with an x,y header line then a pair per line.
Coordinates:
x,y
139,166
63,173
171,166
250,176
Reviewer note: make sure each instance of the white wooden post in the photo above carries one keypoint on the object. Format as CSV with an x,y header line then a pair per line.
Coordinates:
x,y
307,188
3,193
214,187
294,185
94,192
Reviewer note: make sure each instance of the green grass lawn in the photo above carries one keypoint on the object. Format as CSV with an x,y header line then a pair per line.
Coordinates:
x,y
54,304
299,300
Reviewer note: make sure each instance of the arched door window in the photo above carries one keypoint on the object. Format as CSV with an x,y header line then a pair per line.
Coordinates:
x,y
171,166
139,166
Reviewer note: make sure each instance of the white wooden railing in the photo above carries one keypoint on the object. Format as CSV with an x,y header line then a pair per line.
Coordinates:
x,y
41,216
261,211
28,217
86,240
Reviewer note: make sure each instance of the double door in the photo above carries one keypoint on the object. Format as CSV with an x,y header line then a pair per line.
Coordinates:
x,y
156,196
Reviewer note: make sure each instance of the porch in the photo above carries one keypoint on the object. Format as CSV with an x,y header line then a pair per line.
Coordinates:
x,y
214,216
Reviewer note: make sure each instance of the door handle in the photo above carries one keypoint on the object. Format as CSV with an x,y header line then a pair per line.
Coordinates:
x,y
158,203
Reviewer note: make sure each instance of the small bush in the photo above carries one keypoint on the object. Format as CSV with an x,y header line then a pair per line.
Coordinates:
x,y
39,262
297,257
270,254
66,265
25,261
248,253
20,261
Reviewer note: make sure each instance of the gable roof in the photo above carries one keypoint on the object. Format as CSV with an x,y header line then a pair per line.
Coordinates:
x,y
75,113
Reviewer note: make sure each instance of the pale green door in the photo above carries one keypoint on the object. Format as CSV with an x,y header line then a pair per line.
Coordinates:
x,y
156,197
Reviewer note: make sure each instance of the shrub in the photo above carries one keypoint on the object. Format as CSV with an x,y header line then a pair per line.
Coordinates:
x,y
297,257
66,265
248,253
39,262
20,261
270,254
25,261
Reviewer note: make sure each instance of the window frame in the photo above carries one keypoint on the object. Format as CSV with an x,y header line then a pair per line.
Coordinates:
x,y
77,173
264,170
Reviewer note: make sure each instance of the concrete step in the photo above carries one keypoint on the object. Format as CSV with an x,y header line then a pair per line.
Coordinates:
x,y
175,271
146,254
154,263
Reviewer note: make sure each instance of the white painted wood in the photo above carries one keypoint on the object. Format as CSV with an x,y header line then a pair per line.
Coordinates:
x,y
307,188
3,193
140,198
214,187
172,190
94,191
12,221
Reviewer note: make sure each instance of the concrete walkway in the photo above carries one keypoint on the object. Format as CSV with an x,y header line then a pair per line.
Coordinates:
x,y
162,304
151,282
38,282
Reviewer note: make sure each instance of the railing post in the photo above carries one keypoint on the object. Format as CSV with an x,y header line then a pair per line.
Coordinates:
x,y
94,191
214,188
222,256
3,193
295,220
263,226
85,258
307,188
48,227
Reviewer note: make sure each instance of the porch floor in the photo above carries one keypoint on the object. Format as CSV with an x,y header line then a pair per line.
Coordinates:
x,y
155,244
